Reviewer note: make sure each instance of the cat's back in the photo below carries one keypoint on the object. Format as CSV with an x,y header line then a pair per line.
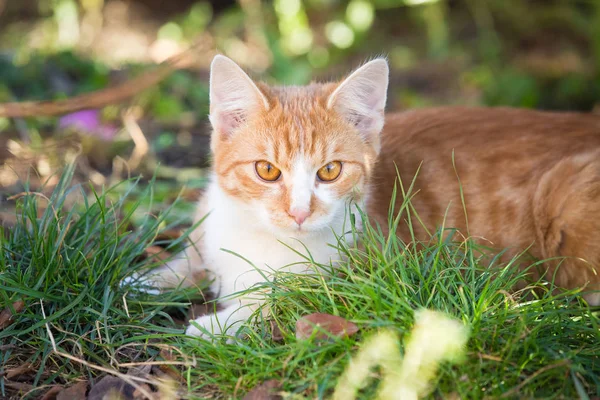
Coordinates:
x,y
489,130
497,154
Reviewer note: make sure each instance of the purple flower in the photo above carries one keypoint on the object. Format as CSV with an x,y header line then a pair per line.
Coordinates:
x,y
88,121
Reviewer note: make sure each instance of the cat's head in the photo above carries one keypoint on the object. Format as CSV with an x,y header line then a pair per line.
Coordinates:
x,y
294,156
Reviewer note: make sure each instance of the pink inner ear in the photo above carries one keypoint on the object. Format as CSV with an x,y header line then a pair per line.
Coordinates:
x,y
226,122
365,124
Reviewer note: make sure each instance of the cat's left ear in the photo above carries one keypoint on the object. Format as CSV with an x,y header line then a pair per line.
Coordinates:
x,y
361,98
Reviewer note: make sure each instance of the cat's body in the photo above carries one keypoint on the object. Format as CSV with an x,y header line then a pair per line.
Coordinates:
x,y
529,179
288,162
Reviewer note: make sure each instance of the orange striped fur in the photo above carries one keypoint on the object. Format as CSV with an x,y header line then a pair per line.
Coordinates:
x,y
530,180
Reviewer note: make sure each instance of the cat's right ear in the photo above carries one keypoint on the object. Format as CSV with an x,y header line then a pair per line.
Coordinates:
x,y
233,96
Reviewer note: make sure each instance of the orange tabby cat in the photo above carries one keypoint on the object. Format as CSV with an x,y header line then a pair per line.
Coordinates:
x,y
288,161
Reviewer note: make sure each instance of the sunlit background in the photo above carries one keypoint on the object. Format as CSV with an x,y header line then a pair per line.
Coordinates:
x,y
527,53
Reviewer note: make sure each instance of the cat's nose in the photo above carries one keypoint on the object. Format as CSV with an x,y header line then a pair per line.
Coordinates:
x,y
299,214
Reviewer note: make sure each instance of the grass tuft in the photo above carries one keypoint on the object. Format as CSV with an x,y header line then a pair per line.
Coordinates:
x,y
69,264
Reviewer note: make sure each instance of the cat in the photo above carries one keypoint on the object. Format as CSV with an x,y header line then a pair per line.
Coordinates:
x,y
289,166
289,160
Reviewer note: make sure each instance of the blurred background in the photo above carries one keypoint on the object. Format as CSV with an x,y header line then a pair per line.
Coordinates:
x,y
528,53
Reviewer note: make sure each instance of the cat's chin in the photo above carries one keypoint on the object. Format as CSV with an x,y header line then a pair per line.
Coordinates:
x,y
296,231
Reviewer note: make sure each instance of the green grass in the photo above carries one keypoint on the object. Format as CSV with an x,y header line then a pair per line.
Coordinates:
x,y
69,264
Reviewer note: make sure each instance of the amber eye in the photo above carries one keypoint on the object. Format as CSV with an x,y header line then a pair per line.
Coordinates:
x,y
267,171
330,171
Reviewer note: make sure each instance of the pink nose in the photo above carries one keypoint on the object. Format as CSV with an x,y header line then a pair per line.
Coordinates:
x,y
299,215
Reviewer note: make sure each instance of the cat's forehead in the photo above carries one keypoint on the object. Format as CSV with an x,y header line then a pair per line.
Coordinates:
x,y
308,96
299,108
299,123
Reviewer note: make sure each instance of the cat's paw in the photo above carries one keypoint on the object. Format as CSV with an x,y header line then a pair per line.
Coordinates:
x,y
208,327
205,327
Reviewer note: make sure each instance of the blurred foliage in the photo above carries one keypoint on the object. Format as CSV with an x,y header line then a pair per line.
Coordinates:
x,y
543,54
526,53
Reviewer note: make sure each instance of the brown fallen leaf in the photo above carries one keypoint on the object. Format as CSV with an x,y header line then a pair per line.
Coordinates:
x,y
17,371
276,334
52,393
75,392
325,323
111,387
114,388
6,316
140,371
18,386
265,391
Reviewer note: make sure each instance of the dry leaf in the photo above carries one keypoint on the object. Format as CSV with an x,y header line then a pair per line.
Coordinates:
x,y
6,315
276,334
75,392
265,391
17,371
112,387
52,393
324,323
21,387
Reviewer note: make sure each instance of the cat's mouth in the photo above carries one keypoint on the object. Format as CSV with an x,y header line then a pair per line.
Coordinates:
x,y
286,226
307,228
300,229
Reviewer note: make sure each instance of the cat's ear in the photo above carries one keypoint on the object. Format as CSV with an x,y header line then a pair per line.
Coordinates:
x,y
361,98
233,96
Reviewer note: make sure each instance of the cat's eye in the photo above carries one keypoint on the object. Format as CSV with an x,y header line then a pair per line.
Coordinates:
x,y
330,171
267,171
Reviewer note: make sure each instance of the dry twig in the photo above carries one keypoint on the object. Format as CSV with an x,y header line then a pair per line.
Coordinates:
x,y
99,98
